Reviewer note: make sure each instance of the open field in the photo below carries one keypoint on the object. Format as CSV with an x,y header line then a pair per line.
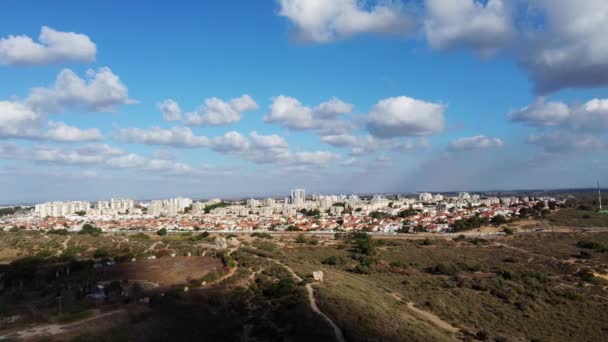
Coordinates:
x,y
540,286
164,271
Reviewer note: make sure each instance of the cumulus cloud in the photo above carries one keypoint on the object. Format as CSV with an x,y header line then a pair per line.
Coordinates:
x,y
101,91
324,21
410,145
53,47
97,155
59,131
216,112
18,120
478,142
562,141
175,136
483,27
290,113
319,158
541,113
405,116
592,116
570,50
171,110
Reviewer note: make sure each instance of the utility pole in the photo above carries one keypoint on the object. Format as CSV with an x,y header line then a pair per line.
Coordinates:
x,y
599,194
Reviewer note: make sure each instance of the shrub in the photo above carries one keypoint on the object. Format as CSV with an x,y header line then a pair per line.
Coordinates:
x,y
162,232
426,242
101,253
141,236
398,264
508,231
58,232
361,269
585,255
586,275
449,269
591,245
90,229
262,235
333,260
301,239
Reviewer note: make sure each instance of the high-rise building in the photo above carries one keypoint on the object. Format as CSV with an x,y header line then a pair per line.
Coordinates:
x,y
298,197
122,205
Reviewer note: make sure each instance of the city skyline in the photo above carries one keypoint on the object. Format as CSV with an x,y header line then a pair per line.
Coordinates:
x,y
250,100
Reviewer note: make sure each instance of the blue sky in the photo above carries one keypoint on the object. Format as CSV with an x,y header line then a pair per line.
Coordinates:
x,y
427,95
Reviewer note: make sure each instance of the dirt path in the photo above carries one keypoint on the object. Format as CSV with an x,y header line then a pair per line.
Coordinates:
x,y
315,308
64,244
434,319
313,301
37,332
151,248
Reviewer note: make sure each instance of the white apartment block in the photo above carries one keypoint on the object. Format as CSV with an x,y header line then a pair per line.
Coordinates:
x,y
60,209
122,205
425,197
298,197
252,203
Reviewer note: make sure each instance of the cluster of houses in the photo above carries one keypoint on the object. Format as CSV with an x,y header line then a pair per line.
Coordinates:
x,y
427,212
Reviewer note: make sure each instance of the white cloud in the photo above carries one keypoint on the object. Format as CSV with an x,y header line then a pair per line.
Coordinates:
x,y
320,158
410,145
171,110
541,113
562,141
59,131
592,116
570,49
175,136
268,142
101,91
290,113
475,143
483,27
230,142
405,116
18,120
217,112
333,108
54,47
323,21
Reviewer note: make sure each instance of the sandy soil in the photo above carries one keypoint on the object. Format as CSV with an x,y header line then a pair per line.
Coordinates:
x,y
164,271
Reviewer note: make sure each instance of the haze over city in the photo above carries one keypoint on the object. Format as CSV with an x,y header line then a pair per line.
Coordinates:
x,y
206,99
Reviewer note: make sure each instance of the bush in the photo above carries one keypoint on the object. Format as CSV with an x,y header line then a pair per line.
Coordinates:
x,y
586,275
262,235
585,255
101,254
333,260
449,269
426,242
598,246
162,232
141,236
58,232
508,231
90,229
361,269
228,261
301,239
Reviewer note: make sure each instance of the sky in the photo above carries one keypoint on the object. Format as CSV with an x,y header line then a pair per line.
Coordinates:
x,y
151,99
